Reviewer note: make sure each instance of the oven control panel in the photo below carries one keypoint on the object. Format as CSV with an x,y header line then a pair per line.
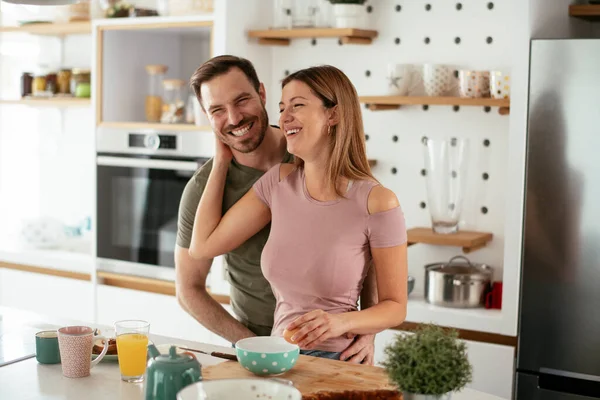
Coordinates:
x,y
152,141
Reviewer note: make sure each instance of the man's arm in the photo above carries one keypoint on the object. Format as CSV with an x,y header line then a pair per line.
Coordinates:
x,y
362,350
196,301
369,296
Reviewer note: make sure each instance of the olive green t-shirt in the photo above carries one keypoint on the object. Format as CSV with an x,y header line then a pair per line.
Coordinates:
x,y
251,297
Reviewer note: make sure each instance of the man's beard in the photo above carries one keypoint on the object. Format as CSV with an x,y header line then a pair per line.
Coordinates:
x,y
250,144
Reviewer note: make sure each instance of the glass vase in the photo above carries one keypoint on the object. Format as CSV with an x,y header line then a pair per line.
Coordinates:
x,y
446,164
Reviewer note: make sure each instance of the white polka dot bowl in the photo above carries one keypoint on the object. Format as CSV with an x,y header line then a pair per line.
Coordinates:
x,y
239,389
267,355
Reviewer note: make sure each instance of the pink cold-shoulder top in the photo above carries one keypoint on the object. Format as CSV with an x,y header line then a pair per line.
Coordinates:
x,y
318,252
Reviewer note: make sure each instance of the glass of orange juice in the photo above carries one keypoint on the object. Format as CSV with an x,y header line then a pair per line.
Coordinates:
x,y
132,345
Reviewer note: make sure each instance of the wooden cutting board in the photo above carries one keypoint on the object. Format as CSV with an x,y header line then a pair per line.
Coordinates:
x,y
312,374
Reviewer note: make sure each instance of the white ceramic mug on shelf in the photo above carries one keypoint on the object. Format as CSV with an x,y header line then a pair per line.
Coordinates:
x,y
437,79
402,79
499,84
474,84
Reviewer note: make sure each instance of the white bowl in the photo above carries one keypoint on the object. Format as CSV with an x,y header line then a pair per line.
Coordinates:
x,y
239,389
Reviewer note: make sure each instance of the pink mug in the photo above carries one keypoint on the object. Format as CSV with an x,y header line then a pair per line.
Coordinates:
x,y
75,344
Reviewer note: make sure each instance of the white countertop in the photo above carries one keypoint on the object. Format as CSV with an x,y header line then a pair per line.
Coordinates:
x,y
27,379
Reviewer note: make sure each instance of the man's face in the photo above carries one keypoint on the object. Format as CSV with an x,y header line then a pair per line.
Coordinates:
x,y
235,110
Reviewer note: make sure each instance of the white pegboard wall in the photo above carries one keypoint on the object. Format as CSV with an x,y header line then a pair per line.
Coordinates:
x,y
468,34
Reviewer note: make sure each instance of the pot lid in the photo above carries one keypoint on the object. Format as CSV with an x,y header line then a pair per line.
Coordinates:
x,y
465,269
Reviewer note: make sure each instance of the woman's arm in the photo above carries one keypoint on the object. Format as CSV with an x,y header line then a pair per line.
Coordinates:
x,y
214,235
392,289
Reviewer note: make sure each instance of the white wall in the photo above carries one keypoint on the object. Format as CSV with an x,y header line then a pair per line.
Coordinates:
x,y
366,66
46,153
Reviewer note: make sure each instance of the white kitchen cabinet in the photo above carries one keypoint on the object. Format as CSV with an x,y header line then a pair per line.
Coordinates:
x,y
493,364
164,313
124,49
47,295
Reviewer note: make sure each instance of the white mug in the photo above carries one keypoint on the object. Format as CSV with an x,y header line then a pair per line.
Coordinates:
x,y
402,79
437,79
474,83
499,85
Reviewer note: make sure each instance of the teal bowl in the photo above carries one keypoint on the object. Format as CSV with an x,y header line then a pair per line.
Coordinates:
x,y
267,355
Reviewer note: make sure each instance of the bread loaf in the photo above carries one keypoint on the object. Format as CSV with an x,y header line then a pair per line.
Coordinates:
x,y
355,395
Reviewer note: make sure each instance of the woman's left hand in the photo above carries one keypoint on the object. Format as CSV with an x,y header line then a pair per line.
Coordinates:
x,y
316,327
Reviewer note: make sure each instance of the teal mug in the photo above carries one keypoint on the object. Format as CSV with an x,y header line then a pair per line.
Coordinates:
x,y
46,347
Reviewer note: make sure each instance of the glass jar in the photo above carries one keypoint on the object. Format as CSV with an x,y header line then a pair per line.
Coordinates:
x,y
173,109
154,97
38,87
26,84
51,86
80,82
63,81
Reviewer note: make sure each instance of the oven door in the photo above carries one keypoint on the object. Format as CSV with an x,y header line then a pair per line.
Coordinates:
x,y
137,208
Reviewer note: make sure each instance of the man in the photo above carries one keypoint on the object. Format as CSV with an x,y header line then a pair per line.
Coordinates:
x,y
233,99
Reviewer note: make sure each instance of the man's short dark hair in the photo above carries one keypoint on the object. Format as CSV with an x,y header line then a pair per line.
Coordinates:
x,y
220,65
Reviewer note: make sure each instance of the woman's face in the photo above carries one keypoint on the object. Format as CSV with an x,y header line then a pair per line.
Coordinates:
x,y
304,121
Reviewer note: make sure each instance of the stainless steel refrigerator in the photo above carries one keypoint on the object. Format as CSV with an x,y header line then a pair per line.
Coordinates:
x,y
558,355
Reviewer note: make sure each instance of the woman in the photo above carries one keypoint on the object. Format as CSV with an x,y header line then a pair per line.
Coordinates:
x,y
329,218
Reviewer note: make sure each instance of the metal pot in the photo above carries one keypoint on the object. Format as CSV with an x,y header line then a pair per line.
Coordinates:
x,y
457,284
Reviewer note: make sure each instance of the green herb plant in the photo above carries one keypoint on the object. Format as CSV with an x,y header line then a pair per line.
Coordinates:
x,y
432,361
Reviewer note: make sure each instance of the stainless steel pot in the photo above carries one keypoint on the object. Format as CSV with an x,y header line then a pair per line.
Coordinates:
x,y
457,284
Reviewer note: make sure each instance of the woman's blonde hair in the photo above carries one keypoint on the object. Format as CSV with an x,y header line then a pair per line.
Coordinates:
x,y
348,153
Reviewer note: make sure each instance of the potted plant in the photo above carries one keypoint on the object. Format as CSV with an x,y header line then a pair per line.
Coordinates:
x,y
429,364
349,13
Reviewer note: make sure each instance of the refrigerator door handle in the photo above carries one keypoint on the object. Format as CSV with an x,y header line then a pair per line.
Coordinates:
x,y
570,383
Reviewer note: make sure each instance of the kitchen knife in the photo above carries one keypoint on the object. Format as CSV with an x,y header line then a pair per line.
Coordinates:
x,y
217,354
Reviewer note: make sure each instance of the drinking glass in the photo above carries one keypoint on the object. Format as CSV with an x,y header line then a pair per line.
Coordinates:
x,y
446,163
132,345
304,13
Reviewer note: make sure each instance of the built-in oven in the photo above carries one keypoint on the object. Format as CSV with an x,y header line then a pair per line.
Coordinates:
x,y
141,177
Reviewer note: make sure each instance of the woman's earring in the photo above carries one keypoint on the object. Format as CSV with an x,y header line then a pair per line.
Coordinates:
x,y
328,130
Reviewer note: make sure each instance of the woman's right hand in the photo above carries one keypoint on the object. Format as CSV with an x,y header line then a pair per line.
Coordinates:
x,y
223,154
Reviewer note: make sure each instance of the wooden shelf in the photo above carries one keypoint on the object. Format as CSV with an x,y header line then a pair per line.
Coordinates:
x,y
182,24
468,240
51,29
158,126
379,103
51,102
585,11
282,37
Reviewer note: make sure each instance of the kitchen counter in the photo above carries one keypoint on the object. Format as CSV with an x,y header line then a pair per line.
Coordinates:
x,y
27,379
